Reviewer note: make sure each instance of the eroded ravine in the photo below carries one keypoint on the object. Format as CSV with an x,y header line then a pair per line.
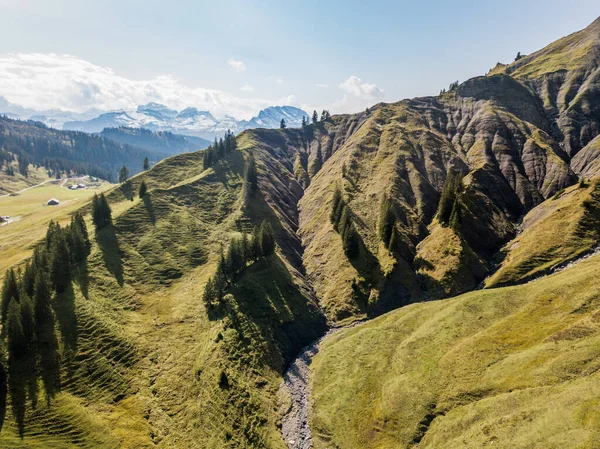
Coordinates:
x,y
296,381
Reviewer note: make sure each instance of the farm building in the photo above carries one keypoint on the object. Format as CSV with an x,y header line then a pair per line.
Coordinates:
x,y
53,202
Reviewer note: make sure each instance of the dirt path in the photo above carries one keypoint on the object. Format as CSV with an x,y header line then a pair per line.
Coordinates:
x,y
294,426
28,188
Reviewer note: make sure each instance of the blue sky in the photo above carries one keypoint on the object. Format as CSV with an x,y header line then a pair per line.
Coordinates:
x,y
234,57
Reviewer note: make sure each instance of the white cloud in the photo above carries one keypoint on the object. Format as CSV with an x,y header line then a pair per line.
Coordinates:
x,y
247,88
322,86
236,66
358,88
289,100
358,95
48,81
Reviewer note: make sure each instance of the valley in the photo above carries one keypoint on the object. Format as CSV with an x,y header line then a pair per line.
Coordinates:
x,y
419,274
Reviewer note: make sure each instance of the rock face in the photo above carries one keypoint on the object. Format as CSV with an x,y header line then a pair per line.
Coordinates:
x,y
517,136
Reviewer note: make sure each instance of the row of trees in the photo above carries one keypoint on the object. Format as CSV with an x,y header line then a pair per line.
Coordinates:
x,y
28,317
241,252
219,149
342,220
325,116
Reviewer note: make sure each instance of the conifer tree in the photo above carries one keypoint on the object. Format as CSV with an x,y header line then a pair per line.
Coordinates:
x,y
101,212
447,199
256,250
282,124
210,294
146,165
46,336
315,117
350,241
143,189
123,174
387,221
17,350
267,239
10,290
303,122
28,280
334,216
60,271
250,174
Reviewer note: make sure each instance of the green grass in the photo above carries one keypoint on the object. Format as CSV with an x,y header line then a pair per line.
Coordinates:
x,y
558,230
17,238
514,367
142,359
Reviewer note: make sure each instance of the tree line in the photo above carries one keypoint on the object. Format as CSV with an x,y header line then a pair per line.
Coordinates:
x,y
28,318
65,151
241,252
219,149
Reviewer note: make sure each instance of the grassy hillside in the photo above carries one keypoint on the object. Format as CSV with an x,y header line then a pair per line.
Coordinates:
x,y
513,367
558,230
144,364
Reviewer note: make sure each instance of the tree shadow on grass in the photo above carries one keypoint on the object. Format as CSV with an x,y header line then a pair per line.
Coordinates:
x,y
149,208
111,252
270,310
64,306
82,278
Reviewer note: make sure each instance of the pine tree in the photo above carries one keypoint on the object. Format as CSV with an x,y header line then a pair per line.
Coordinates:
x,y
10,290
60,263
447,199
282,124
79,223
123,174
267,239
250,175
387,221
146,163
256,249
350,241
28,280
101,212
143,189
17,350
334,216
303,122
210,294
46,336
315,117
345,220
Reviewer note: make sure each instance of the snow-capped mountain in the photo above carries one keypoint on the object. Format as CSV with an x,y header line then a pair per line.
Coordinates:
x,y
157,117
189,121
51,117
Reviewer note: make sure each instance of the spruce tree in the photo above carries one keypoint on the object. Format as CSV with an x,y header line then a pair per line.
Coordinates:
x,y
334,216
123,174
256,249
387,221
10,290
210,294
60,270
350,241
101,212
250,174
447,198
146,163
267,239
282,124
143,189
315,117
46,336
17,350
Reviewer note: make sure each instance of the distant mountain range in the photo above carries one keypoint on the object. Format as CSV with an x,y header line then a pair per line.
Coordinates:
x,y
157,117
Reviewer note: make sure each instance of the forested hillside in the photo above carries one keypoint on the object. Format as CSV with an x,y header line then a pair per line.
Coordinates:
x,y
70,152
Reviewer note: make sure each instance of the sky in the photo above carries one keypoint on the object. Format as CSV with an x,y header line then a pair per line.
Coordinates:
x,y
235,57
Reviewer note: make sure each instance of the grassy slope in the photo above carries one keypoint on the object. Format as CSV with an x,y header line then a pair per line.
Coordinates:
x,y
558,230
513,367
17,238
143,362
11,184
